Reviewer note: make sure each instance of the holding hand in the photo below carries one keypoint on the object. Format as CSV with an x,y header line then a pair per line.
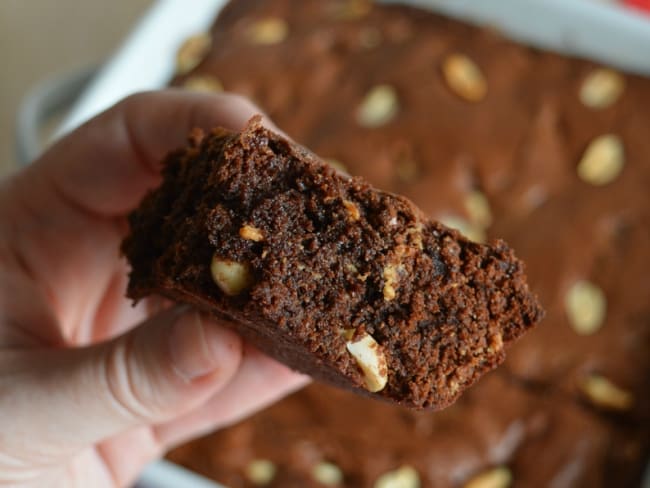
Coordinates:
x,y
92,388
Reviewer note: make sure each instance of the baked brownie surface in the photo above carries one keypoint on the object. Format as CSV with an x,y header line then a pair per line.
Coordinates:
x,y
496,435
520,147
327,274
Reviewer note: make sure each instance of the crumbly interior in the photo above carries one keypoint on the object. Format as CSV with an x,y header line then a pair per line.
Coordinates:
x,y
330,258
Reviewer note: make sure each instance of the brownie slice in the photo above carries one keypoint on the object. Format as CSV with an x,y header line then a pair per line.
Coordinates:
x,y
349,284
497,435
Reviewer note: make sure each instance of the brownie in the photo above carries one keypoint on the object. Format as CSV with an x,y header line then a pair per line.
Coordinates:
x,y
495,430
505,159
366,439
339,280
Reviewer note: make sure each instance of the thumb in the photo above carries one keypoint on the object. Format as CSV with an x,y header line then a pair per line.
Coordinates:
x,y
157,371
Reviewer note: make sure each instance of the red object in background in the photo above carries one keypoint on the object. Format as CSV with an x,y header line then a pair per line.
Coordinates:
x,y
639,4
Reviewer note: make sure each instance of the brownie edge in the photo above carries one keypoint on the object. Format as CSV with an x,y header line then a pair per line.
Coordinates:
x,y
332,277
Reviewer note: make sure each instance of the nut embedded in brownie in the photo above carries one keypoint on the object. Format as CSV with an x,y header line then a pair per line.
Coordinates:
x,y
336,279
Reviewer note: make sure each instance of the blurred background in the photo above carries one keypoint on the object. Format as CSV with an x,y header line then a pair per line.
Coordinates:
x,y
41,38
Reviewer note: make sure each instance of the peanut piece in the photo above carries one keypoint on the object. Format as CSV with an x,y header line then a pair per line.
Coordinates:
x,y
603,393
404,477
271,30
471,231
391,278
586,307
336,164
201,83
602,88
328,474
251,233
378,107
370,358
192,52
464,77
352,209
478,209
230,276
602,161
499,477
260,471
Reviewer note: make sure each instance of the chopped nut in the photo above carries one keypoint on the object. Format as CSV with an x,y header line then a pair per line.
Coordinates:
x,y
336,164
495,344
602,161
230,276
192,52
478,209
202,83
391,278
603,393
260,471
586,307
370,358
404,477
378,107
464,77
415,236
328,474
251,233
499,477
353,210
352,9
470,231
601,88
271,30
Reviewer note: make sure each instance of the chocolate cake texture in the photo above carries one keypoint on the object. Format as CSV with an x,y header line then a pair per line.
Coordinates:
x,y
349,284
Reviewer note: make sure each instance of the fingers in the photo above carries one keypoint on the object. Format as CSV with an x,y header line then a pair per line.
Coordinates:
x,y
26,319
259,382
107,165
59,213
162,369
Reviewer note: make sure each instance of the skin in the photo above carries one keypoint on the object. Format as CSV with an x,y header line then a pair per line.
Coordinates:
x,y
91,387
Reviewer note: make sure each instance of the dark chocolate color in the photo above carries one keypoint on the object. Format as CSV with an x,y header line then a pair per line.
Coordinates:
x,y
332,260
520,146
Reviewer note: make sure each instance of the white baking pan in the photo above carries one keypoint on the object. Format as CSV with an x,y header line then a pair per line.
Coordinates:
x,y
598,31
602,32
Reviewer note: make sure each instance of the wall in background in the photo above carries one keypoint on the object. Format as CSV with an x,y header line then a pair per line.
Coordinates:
x,y
42,38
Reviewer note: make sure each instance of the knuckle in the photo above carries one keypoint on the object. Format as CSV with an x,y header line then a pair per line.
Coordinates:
x,y
127,389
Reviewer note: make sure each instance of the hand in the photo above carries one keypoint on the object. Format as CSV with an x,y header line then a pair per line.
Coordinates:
x,y
92,388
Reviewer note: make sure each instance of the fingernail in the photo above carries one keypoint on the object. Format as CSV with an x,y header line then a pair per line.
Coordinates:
x,y
194,347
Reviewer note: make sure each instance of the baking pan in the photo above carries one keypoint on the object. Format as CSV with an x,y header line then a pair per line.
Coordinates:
x,y
146,61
